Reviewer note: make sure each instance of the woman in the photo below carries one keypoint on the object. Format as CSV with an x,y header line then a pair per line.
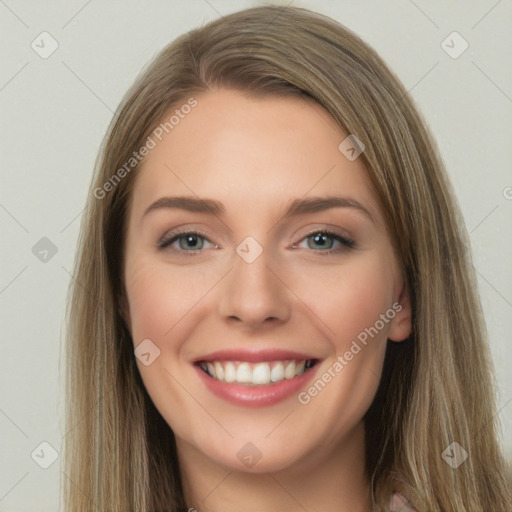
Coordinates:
x,y
274,307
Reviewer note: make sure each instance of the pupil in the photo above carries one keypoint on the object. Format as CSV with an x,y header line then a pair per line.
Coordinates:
x,y
192,240
320,239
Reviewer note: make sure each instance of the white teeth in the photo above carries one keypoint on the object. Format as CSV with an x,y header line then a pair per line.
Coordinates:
x,y
277,372
263,373
300,367
289,371
244,373
219,370
229,372
211,369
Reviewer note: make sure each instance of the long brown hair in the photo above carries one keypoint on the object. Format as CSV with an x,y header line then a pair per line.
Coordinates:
x,y
437,387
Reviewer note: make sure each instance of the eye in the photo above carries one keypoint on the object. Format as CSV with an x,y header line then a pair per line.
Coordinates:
x,y
192,242
187,241
324,240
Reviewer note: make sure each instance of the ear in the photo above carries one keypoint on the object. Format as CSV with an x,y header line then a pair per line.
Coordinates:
x,y
401,324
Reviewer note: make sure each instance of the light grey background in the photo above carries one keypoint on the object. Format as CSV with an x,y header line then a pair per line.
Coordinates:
x,y
54,113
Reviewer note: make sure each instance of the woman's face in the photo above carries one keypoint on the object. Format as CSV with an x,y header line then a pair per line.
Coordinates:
x,y
261,336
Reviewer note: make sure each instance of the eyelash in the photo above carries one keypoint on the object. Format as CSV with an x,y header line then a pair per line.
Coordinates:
x,y
346,242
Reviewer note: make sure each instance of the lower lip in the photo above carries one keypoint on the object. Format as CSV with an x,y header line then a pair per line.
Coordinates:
x,y
256,396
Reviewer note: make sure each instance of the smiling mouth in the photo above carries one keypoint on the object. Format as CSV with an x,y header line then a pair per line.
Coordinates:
x,y
256,374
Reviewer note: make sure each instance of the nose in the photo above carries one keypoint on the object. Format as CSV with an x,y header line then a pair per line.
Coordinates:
x,y
254,294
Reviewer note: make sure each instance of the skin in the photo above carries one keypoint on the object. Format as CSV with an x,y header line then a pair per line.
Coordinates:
x,y
250,154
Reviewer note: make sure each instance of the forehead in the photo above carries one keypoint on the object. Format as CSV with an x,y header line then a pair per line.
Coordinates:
x,y
251,152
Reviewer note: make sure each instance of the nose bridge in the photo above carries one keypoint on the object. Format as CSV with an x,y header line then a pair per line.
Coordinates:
x,y
253,293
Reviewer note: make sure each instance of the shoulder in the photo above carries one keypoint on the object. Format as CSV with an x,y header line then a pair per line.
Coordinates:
x,y
399,503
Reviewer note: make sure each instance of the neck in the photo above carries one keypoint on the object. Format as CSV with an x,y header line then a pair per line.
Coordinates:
x,y
331,481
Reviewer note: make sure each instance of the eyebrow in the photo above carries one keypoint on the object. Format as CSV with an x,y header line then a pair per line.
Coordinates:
x,y
296,207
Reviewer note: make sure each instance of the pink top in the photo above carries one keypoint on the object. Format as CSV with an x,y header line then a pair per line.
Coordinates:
x,y
399,503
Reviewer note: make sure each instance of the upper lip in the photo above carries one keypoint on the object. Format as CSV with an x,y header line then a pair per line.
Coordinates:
x,y
254,356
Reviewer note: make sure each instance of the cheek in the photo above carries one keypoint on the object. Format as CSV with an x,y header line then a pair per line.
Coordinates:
x,y
148,298
350,304
347,299
159,298
343,300
161,309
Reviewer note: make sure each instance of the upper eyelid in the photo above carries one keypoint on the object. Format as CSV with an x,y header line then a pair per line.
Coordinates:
x,y
343,239
176,233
